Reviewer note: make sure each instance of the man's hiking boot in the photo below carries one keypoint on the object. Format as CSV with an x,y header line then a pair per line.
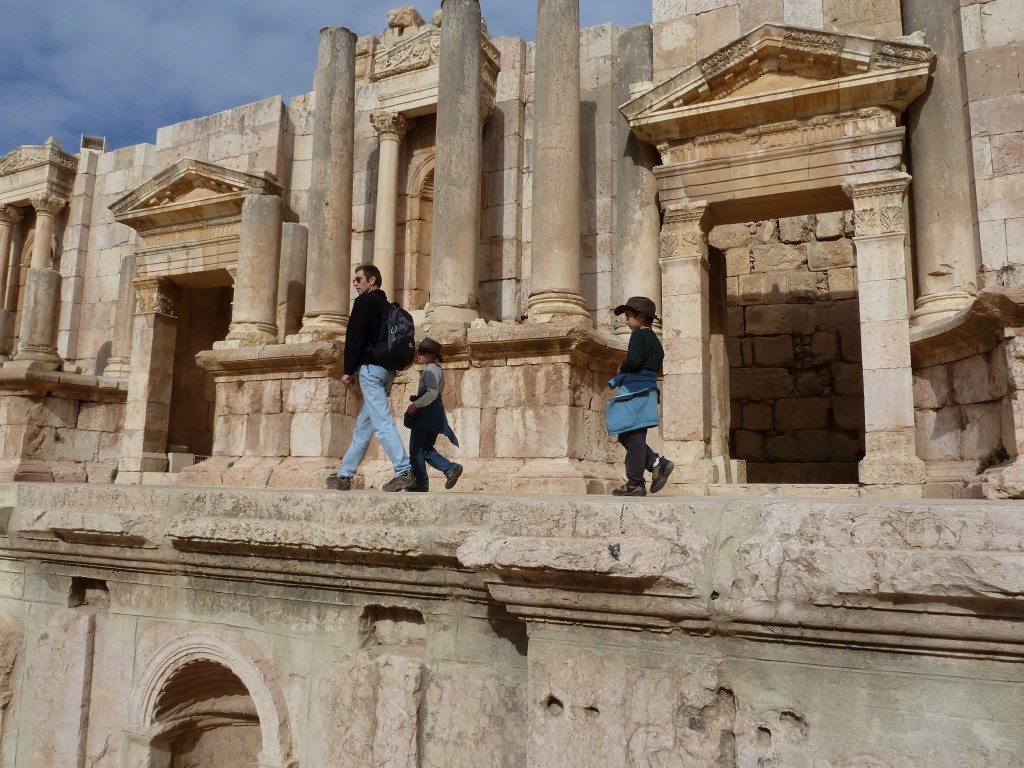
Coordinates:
x,y
336,483
629,490
661,473
400,482
453,476
418,488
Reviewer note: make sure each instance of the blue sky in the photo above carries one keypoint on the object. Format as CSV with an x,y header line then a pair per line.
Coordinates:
x,y
123,68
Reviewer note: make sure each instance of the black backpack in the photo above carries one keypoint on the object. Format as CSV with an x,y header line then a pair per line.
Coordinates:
x,y
395,346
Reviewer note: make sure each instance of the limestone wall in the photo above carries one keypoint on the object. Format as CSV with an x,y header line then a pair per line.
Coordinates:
x,y
688,30
793,341
506,632
993,43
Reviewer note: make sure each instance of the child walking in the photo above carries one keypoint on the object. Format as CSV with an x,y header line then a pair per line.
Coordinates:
x,y
635,409
426,419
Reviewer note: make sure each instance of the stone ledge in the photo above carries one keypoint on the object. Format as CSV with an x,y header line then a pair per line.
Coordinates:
x,y
909,576
69,386
972,331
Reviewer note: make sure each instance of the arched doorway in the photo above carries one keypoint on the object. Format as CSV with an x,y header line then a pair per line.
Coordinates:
x,y
414,269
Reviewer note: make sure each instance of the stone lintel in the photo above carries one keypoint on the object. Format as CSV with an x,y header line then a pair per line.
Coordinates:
x,y
972,331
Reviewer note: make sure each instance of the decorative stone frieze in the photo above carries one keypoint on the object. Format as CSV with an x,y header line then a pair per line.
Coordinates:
x,y
26,158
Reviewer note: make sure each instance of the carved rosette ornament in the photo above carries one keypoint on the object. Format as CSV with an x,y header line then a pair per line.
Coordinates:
x,y
878,205
155,295
389,125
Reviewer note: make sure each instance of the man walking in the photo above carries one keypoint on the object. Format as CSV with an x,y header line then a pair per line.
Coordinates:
x,y
375,382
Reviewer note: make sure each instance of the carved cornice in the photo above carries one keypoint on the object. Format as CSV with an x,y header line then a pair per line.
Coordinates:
x,y
419,52
47,204
389,125
24,158
725,58
9,215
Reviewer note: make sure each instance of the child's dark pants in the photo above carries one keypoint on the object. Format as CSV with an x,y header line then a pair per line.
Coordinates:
x,y
422,452
639,456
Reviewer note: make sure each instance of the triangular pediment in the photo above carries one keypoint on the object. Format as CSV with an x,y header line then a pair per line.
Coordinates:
x,y
191,191
780,72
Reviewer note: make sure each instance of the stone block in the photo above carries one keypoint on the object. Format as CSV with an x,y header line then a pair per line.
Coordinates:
x,y
737,261
829,226
992,72
772,256
776,288
973,381
844,448
802,413
847,379
796,229
829,254
809,383
803,287
782,448
1002,22
749,445
875,18
751,288
730,237
734,325
1007,154
933,387
842,283
825,348
938,434
814,445
771,320
760,383
758,416
848,412
982,429
774,352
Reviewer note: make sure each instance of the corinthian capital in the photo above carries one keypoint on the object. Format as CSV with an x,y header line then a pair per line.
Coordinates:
x,y
9,215
48,204
389,125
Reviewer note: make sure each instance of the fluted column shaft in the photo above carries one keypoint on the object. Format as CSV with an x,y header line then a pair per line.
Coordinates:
x,y
291,284
254,312
329,212
456,231
880,240
555,248
390,129
9,216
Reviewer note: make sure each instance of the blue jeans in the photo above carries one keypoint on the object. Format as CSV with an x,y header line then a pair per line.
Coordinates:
x,y
422,452
375,417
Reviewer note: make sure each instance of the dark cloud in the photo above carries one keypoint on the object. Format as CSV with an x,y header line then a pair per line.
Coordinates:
x,y
123,68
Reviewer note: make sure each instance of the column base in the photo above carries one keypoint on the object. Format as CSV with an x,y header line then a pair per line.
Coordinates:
x,y
891,460
147,462
25,471
248,335
939,306
557,307
34,360
117,368
320,328
441,317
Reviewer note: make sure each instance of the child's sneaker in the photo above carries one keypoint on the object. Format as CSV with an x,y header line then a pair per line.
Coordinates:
x,y
453,476
630,490
336,483
660,474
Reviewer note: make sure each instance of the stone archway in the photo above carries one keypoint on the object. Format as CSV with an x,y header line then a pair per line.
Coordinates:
x,y
200,693
414,270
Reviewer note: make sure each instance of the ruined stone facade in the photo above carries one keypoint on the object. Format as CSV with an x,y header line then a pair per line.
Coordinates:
x,y
826,201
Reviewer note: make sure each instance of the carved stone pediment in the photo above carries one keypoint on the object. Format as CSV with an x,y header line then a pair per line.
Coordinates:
x,y
191,191
778,73
405,65
29,171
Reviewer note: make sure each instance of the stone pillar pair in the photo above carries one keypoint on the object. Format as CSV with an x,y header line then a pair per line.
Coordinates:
x,y
9,216
37,337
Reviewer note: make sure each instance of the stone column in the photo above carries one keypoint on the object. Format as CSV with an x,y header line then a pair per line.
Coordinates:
x,y
881,233
37,339
390,129
945,251
555,261
148,410
254,310
291,285
686,331
455,240
329,207
119,364
638,219
9,216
